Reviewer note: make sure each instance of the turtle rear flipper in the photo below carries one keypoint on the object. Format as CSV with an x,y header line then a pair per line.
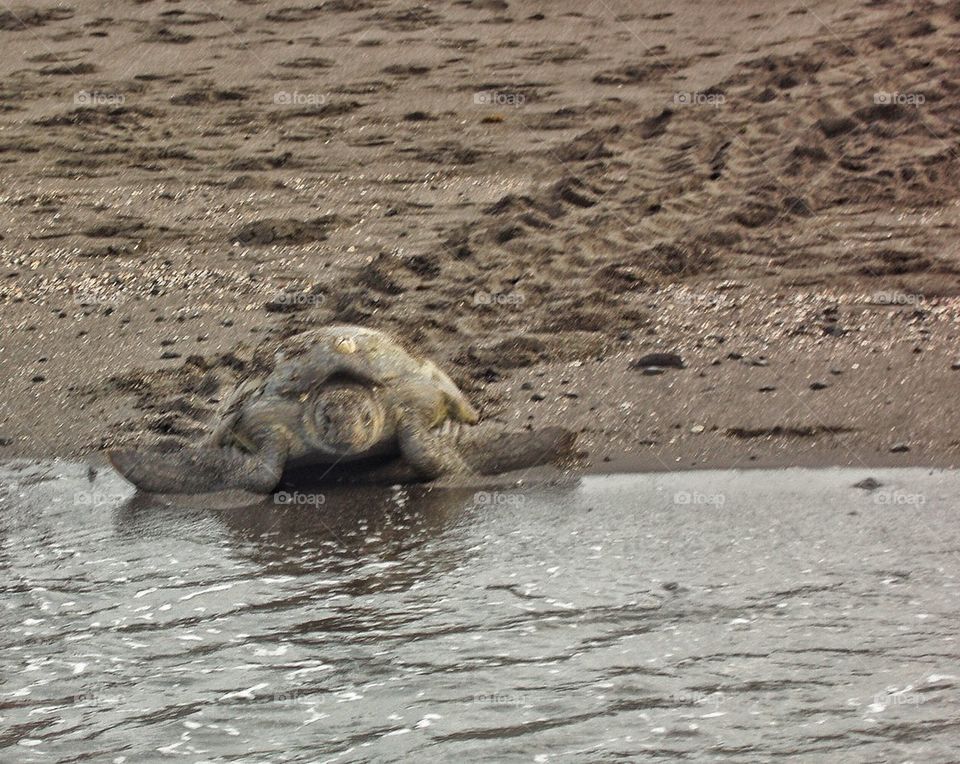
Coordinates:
x,y
492,454
202,470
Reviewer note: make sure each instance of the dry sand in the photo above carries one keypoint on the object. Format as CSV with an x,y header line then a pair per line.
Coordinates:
x,y
537,194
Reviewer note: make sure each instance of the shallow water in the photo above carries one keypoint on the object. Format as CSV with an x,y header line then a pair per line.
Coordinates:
x,y
695,616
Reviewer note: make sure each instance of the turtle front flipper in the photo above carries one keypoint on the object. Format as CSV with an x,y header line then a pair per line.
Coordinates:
x,y
203,470
428,453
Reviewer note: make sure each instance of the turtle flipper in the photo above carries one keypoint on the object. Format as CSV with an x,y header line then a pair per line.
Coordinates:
x,y
202,470
428,453
493,453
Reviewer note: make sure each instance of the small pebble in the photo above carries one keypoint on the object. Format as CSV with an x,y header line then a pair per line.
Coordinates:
x,y
899,448
819,385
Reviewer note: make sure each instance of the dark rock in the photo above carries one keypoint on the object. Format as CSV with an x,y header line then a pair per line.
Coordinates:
x,y
868,484
835,330
819,385
899,448
663,360
767,389
38,378
537,397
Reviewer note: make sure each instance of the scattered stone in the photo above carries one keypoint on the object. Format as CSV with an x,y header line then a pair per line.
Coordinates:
x,y
537,397
767,389
899,448
819,385
735,356
662,360
955,366
526,386
671,586
168,355
5,441
38,378
227,322
697,429
868,484
836,372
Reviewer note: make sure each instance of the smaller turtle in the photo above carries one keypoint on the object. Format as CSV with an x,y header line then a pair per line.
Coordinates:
x,y
336,394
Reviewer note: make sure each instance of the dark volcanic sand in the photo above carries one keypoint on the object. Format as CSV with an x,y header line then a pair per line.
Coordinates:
x,y
184,182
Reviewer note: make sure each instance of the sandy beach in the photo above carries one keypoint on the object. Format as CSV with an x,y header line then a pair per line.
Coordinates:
x,y
701,235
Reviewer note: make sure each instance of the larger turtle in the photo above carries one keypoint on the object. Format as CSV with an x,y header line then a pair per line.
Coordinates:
x,y
335,394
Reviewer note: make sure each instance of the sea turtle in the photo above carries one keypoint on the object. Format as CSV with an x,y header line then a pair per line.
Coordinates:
x,y
335,394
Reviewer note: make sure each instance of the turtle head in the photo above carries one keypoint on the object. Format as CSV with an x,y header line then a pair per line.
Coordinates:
x,y
346,418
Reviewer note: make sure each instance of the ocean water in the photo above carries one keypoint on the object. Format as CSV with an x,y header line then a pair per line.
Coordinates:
x,y
713,616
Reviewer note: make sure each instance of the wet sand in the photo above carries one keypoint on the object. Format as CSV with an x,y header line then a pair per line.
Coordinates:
x,y
537,196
